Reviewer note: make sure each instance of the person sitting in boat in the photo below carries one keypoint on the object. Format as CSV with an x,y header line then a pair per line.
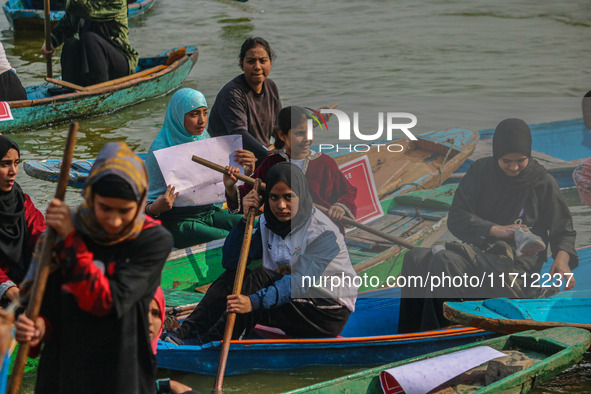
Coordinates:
x,y
156,316
184,122
94,318
21,224
299,246
328,186
249,104
11,88
496,204
96,43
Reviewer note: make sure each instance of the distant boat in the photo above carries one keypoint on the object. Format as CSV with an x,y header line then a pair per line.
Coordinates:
x,y
49,103
547,353
559,146
21,16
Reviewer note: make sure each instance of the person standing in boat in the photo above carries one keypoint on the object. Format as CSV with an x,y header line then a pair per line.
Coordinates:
x,y
11,88
96,48
21,224
184,122
249,104
295,241
498,201
94,319
328,186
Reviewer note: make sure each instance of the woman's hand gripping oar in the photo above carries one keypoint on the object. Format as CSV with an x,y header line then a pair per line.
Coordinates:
x,y
44,264
344,220
219,380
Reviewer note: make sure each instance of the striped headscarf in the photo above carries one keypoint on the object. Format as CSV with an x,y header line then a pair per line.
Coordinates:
x,y
114,159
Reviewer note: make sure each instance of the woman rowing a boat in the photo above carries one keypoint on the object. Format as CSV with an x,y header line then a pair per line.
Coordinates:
x,y
96,48
21,224
328,186
302,251
184,122
11,88
249,104
94,318
506,210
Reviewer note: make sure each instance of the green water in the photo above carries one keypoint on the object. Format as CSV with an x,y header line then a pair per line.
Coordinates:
x,y
452,63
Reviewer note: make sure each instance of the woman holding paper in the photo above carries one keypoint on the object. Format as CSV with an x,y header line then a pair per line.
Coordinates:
x,y
184,122
328,186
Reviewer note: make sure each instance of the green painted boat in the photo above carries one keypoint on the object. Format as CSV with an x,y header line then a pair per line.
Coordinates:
x,y
418,217
551,352
47,104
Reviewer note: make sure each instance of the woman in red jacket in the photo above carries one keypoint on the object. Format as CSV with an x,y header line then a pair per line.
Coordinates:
x,y
20,224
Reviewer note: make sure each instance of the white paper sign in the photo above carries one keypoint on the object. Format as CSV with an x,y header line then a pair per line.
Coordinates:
x,y
197,184
423,376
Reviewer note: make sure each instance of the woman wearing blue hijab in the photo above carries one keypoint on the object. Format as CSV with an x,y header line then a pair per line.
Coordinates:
x,y
184,122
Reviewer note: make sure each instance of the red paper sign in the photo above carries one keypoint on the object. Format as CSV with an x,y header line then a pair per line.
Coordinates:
x,y
5,113
359,174
389,384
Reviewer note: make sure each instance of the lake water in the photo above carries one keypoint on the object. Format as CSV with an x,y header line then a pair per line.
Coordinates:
x,y
451,63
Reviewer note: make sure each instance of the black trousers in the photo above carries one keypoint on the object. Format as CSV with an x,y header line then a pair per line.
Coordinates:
x,y
91,60
11,88
300,318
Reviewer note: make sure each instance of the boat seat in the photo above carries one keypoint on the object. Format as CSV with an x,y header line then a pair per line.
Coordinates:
x,y
272,332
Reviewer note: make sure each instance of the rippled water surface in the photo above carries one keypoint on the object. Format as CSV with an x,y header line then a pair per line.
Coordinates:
x,y
452,63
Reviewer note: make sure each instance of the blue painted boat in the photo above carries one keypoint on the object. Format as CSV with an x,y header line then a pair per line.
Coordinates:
x,y
370,338
46,104
423,165
503,315
558,146
21,16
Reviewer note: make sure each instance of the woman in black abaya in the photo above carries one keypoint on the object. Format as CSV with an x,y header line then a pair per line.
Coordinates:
x,y
499,195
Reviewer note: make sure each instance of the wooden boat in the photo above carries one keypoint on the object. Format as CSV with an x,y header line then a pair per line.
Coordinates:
x,y
154,78
21,16
370,337
551,352
559,146
417,217
424,164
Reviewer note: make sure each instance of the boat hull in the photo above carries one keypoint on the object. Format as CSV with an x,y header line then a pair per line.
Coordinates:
x,y
22,18
48,111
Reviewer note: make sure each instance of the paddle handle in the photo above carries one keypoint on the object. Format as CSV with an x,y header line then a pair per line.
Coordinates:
x,y
345,220
238,280
44,267
48,45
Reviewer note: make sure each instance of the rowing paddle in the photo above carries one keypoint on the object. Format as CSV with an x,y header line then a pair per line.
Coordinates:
x,y
345,220
48,44
238,279
44,265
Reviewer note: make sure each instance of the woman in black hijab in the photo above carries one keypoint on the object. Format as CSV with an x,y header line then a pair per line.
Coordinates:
x,y
295,242
20,224
498,196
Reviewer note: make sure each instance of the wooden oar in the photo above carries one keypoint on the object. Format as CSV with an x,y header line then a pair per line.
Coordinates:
x,y
345,220
44,264
48,45
238,279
